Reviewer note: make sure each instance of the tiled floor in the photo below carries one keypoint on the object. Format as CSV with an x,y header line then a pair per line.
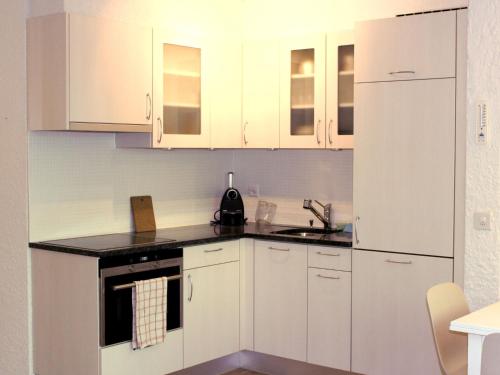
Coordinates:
x,y
242,372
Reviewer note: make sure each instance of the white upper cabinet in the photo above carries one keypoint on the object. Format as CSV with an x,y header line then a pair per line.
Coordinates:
x,y
88,73
404,166
402,48
302,94
225,93
339,90
180,91
261,94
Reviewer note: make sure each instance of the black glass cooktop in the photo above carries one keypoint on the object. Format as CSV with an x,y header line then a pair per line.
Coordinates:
x,y
112,241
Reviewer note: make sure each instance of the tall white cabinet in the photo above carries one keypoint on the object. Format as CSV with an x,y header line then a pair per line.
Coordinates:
x,y
407,185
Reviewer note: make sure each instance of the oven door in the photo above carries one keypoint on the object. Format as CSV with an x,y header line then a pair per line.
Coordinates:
x,y
116,297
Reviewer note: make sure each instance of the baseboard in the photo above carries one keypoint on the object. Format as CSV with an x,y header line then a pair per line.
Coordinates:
x,y
259,362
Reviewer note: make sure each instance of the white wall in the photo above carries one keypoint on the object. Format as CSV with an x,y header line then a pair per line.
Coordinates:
x,y
482,257
14,338
80,184
287,177
282,17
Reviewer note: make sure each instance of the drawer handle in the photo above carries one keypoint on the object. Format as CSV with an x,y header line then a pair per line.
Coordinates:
x,y
328,255
214,250
328,277
398,261
277,249
402,72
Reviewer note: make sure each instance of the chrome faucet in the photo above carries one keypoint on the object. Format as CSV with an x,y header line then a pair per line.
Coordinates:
x,y
326,218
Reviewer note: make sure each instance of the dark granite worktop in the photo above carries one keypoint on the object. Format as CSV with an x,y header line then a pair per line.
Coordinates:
x,y
168,238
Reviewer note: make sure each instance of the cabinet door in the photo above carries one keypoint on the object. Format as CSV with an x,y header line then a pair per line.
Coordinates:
x,y
181,117
225,93
391,332
211,312
402,48
110,72
329,319
281,299
404,166
302,94
340,90
261,94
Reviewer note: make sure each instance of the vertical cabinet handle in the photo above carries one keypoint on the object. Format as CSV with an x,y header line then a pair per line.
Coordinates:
x,y
317,132
356,230
245,133
149,106
190,288
330,131
160,129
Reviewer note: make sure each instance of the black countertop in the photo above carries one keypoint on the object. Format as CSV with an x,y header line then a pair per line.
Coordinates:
x,y
168,238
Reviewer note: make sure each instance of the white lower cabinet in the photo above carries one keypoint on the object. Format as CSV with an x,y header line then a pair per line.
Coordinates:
x,y
391,332
155,360
211,312
329,318
280,299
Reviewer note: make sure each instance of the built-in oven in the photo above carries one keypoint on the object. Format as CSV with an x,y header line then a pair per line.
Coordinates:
x,y
117,276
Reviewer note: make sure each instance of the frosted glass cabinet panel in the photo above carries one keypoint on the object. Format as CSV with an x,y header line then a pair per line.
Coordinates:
x,y
302,92
180,91
340,90
302,95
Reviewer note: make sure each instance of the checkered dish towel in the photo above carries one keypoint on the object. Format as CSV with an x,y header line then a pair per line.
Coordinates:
x,y
149,306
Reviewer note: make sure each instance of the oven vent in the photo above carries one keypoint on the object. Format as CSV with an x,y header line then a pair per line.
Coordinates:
x,y
429,11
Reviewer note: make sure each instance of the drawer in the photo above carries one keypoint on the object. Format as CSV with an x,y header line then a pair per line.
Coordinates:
x,y
333,258
162,358
209,254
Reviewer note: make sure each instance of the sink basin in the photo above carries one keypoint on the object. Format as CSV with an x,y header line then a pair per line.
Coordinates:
x,y
305,232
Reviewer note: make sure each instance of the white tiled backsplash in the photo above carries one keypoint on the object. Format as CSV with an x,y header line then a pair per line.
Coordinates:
x,y
80,183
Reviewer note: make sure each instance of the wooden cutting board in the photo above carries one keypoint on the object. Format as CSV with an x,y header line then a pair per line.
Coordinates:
x,y
142,211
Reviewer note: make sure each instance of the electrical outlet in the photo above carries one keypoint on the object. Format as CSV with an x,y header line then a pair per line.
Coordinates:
x,y
253,191
482,220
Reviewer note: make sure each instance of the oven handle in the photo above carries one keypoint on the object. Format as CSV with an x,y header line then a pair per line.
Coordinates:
x,y
132,285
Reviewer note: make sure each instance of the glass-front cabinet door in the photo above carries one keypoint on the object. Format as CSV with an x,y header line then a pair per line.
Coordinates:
x,y
302,95
180,99
340,90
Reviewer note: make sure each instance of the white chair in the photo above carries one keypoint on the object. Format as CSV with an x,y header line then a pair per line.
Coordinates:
x,y
446,302
490,362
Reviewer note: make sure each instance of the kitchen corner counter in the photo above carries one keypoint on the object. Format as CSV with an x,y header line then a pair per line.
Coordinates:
x,y
168,238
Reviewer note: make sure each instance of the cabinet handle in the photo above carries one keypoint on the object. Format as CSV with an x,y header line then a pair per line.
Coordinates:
x,y
356,230
328,255
149,106
402,72
214,250
330,131
245,132
190,288
328,277
277,249
160,129
398,261
317,132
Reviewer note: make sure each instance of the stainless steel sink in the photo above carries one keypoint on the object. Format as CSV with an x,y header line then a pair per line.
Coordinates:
x,y
305,232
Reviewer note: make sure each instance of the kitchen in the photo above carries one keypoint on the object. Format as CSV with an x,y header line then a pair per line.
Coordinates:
x,y
80,183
